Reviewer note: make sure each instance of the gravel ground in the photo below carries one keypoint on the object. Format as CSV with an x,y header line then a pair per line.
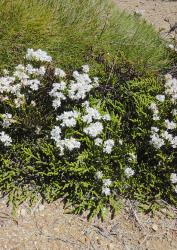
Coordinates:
x,y
48,227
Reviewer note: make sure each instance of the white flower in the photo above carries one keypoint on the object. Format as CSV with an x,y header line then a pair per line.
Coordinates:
x,y
155,117
174,112
20,75
95,82
33,84
86,104
168,77
68,118
174,142
153,108
98,141
58,97
120,141
69,144
41,71
6,85
94,129
173,178
82,86
92,114
160,98
171,88
167,136
5,139
30,70
107,182
56,134
35,71
99,174
154,129
106,117
156,141
59,72
106,191
108,145
6,120
19,101
33,103
170,125
129,172
85,68
38,55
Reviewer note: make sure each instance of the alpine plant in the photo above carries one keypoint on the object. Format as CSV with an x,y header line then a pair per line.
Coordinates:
x,y
40,101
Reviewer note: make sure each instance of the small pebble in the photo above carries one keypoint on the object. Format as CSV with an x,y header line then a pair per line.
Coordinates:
x,y
155,227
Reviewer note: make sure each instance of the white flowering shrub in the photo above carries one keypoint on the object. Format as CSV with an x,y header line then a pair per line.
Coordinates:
x,y
151,127
86,139
58,137
164,128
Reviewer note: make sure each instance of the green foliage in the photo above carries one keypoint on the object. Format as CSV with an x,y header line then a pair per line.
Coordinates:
x,y
77,31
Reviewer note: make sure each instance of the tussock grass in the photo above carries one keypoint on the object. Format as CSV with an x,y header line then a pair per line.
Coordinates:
x,y
69,29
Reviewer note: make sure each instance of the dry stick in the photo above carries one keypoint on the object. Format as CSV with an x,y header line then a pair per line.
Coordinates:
x,y
135,215
8,217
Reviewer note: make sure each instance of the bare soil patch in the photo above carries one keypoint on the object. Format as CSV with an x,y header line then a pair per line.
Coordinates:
x,y
48,227
160,13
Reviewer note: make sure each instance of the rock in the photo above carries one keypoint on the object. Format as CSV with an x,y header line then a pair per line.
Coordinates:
x,y
155,227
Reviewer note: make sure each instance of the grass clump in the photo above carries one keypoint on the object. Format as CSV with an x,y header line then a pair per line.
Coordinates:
x,y
75,31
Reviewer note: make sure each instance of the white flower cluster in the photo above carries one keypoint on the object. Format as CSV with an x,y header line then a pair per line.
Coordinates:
x,y
166,134
78,90
106,187
156,140
106,183
68,118
57,94
20,80
107,146
129,172
173,179
94,129
171,87
5,139
6,120
38,55
26,78
99,174
69,144
153,107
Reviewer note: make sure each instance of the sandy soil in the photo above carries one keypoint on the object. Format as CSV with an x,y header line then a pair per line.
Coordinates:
x,y
47,227
160,13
